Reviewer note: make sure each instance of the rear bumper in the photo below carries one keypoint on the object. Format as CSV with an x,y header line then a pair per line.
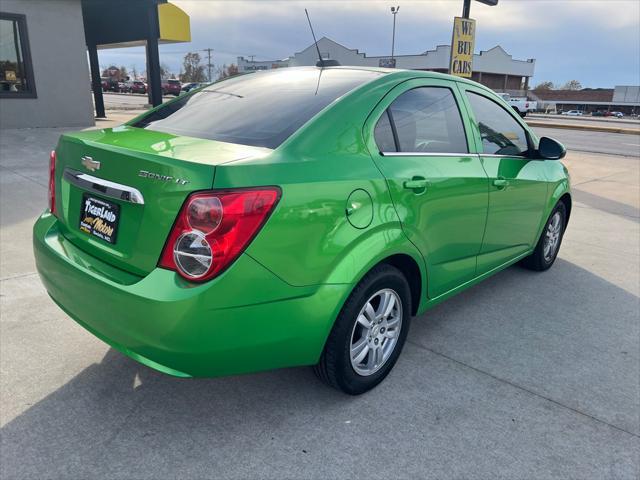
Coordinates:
x,y
246,320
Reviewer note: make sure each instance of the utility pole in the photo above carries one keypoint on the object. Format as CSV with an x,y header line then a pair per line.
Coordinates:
x,y
394,12
209,64
252,57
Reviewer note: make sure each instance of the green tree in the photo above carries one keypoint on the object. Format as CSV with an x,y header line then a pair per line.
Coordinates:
x,y
193,71
545,86
572,85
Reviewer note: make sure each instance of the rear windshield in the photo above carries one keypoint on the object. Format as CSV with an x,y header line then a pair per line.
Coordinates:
x,y
260,109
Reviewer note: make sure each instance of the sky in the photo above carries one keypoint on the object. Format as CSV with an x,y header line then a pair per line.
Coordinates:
x,y
596,42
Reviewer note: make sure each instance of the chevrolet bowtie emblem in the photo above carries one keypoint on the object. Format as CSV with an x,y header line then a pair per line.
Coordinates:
x,y
90,164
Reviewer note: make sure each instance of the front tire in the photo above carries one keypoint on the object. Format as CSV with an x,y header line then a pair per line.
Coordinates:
x,y
369,333
548,245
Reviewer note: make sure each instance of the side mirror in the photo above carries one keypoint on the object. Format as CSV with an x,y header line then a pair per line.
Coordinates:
x,y
550,149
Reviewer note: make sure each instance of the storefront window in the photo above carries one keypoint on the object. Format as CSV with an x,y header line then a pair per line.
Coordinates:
x,y
16,73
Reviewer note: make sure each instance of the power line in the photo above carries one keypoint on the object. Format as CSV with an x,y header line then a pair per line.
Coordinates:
x,y
209,64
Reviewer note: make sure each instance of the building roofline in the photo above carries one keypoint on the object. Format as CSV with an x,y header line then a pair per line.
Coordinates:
x,y
422,54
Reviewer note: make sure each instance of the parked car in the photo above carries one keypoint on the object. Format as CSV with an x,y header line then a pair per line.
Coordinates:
x,y
171,87
298,216
105,83
137,86
573,113
187,87
598,113
617,114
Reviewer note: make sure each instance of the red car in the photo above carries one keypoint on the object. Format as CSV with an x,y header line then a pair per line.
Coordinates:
x,y
138,87
172,87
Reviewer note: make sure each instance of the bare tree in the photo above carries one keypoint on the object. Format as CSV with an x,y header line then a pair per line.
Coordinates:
x,y
229,71
193,71
572,85
165,71
545,86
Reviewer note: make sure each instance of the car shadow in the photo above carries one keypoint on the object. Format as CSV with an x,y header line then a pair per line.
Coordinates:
x,y
607,205
118,415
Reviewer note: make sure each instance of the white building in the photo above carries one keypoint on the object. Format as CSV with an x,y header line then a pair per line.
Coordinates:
x,y
494,68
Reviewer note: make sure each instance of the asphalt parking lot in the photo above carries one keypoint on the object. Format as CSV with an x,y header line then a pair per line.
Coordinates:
x,y
524,376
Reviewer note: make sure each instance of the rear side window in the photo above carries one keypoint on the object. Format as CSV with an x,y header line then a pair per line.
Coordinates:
x,y
501,134
426,120
260,109
384,134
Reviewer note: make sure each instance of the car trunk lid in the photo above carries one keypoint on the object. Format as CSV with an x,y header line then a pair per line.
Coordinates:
x,y
118,191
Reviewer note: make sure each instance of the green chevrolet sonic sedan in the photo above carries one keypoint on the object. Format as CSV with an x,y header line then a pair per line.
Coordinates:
x,y
299,216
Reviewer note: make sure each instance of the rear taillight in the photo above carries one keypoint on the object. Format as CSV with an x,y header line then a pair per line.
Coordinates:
x,y
213,229
52,182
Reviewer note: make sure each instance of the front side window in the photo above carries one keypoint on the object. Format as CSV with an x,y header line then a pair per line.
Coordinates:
x,y
501,134
16,74
426,120
259,109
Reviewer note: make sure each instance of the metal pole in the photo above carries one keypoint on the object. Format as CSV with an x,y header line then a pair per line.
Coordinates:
x,y
394,11
208,50
466,9
393,36
96,83
153,73
153,57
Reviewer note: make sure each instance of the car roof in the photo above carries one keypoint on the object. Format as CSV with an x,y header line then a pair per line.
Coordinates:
x,y
395,72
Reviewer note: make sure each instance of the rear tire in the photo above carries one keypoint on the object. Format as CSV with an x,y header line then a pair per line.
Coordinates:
x,y
360,353
550,240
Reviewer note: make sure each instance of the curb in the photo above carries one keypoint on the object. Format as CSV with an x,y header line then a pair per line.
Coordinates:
x,y
586,128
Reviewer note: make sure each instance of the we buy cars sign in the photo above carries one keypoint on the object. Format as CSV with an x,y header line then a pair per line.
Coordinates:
x,y
462,41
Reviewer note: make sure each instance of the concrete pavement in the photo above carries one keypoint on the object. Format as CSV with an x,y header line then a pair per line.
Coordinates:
x,y
526,375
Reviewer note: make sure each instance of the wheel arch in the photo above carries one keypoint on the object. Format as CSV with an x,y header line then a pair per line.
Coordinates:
x,y
392,247
411,271
566,199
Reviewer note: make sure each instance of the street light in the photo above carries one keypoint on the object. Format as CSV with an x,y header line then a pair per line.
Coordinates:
x,y
394,11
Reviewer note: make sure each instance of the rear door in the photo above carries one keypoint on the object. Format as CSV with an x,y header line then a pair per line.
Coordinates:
x,y
517,183
419,140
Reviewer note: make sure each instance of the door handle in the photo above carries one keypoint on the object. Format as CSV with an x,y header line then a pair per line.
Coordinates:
x,y
501,182
417,184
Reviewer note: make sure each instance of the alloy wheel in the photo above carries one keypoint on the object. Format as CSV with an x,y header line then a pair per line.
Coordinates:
x,y
375,332
552,237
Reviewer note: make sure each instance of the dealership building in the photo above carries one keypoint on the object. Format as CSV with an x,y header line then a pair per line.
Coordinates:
x,y
494,68
49,54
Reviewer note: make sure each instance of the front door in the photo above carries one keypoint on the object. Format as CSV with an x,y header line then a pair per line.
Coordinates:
x,y
439,189
517,184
